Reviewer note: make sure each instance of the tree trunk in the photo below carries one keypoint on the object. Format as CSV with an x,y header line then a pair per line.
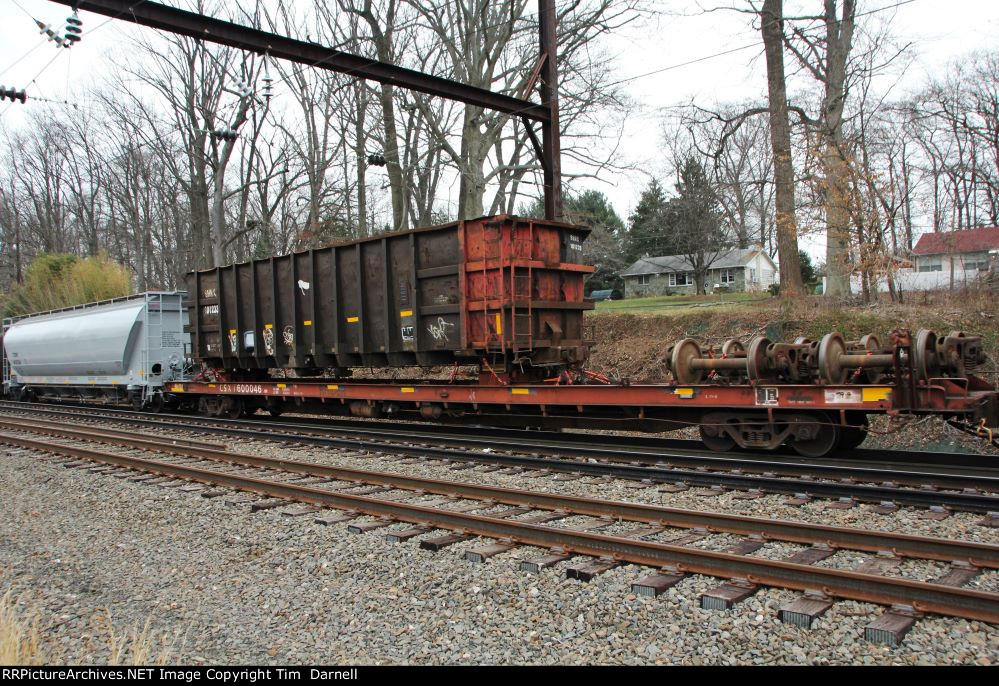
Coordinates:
x,y
474,150
839,38
780,138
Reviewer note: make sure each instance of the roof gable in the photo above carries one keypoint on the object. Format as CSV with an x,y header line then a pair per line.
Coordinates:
x,y
729,259
961,241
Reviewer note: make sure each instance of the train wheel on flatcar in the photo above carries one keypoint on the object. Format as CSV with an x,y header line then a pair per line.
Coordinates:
x,y
156,403
852,436
274,407
715,439
816,438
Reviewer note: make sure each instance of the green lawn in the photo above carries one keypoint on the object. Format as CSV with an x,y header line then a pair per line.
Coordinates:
x,y
666,303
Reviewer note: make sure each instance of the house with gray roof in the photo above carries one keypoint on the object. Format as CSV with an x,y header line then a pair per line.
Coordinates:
x,y
735,270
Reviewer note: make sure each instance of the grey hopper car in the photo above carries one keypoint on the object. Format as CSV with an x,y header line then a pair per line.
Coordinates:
x,y
120,349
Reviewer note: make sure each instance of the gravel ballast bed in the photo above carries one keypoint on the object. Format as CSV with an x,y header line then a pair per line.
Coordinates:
x,y
236,587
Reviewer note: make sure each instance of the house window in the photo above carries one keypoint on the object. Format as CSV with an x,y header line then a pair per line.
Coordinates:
x,y
976,261
752,275
681,279
644,279
931,264
727,276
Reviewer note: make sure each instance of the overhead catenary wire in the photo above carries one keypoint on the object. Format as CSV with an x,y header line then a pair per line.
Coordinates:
x,y
91,32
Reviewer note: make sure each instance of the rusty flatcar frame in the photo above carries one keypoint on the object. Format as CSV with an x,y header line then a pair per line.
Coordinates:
x,y
544,76
663,402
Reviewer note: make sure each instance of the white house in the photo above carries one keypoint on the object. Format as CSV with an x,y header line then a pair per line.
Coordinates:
x,y
738,269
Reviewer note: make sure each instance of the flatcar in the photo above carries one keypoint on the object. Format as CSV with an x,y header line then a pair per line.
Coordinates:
x,y
501,297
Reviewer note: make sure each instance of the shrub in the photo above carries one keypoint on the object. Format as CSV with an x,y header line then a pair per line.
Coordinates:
x,y
55,280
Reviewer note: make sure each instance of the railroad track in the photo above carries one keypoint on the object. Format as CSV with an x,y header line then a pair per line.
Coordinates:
x,y
970,489
602,533
637,449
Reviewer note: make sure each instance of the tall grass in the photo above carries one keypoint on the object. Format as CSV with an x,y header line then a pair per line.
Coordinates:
x,y
140,647
19,639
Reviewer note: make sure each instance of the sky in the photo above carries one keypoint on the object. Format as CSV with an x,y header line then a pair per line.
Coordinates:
x,y
939,31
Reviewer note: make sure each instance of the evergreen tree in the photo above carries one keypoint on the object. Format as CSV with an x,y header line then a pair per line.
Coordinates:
x,y
647,225
604,246
693,222
809,276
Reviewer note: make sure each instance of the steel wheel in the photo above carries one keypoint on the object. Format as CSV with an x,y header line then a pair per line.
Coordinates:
x,y
850,437
156,403
830,349
820,440
853,434
924,349
720,442
871,344
684,352
757,365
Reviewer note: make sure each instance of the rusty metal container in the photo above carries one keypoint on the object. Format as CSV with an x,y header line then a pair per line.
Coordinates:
x,y
504,289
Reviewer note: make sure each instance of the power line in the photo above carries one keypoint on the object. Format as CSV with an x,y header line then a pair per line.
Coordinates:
x,y
94,30
884,9
687,64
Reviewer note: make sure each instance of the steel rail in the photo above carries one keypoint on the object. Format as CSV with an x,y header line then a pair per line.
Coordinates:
x,y
922,596
625,448
975,554
964,501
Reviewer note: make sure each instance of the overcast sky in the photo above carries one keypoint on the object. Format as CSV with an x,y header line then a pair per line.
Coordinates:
x,y
940,30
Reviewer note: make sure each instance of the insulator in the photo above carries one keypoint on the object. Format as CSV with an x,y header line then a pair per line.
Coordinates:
x,y
268,89
48,31
74,29
243,89
376,160
227,134
12,94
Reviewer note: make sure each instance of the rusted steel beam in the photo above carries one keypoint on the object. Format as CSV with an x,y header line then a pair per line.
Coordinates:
x,y
194,25
551,159
923,597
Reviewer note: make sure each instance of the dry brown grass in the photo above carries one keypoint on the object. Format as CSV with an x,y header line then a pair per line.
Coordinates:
x,y
19,638
141,647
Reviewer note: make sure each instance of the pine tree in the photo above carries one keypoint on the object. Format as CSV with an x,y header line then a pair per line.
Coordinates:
x,y
646,233
693,222
604,247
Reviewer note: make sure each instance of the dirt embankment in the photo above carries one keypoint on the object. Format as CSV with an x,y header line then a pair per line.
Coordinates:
x,y
635,345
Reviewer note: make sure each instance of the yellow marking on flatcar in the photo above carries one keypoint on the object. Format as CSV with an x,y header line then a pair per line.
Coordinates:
x,y
282,385
177,389
211,385
332,387
520,391
873,395
405,313
408,390
684,392
353,320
